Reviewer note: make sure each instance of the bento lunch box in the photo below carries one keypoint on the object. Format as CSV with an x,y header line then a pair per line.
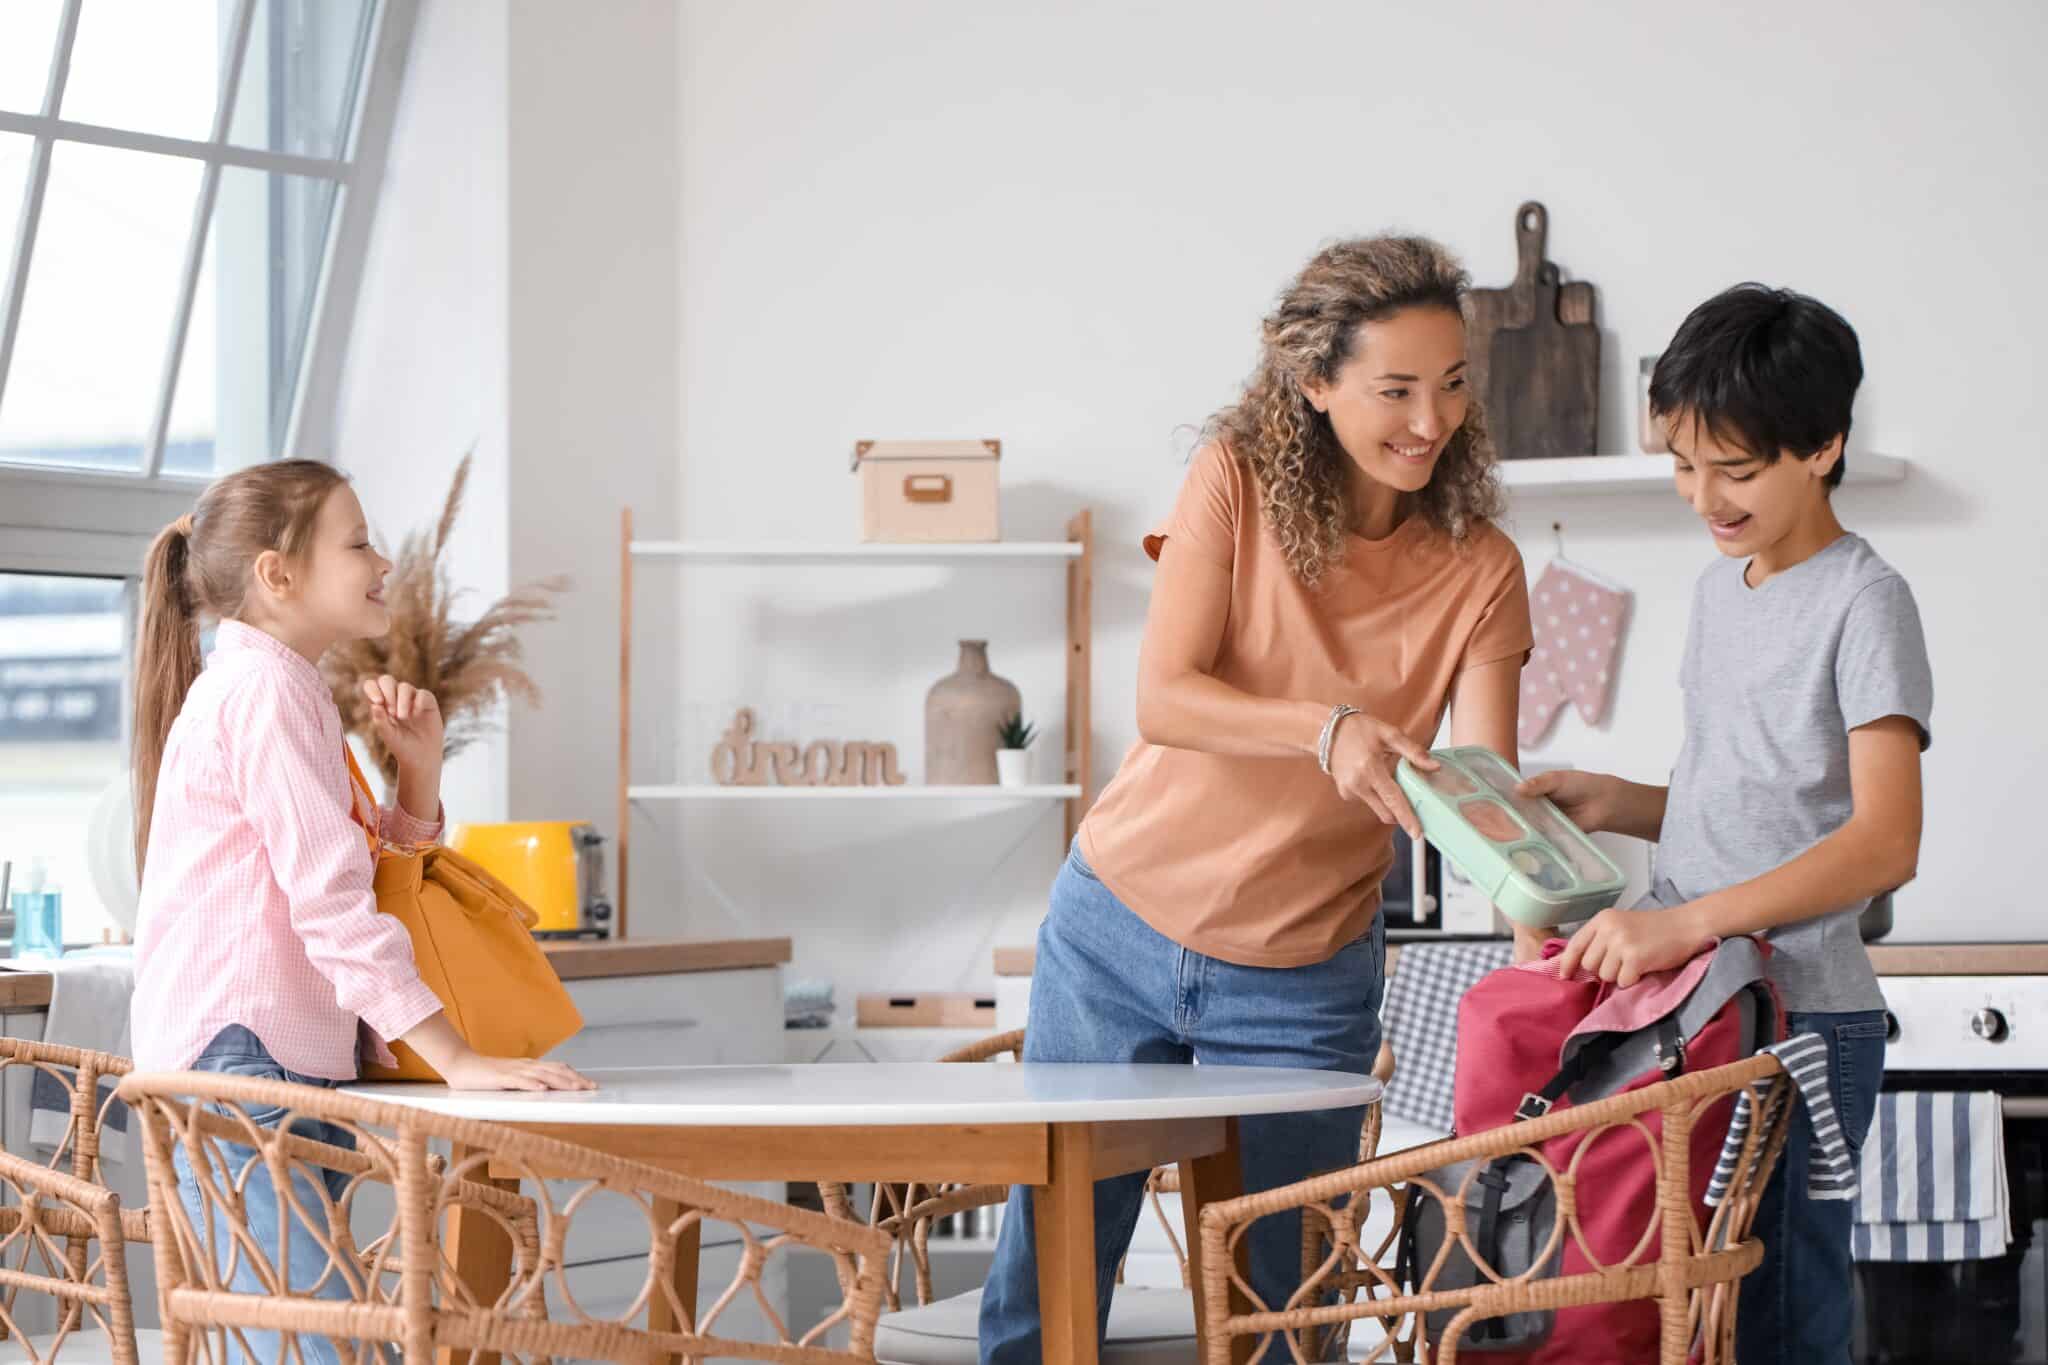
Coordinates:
x,y
1538,867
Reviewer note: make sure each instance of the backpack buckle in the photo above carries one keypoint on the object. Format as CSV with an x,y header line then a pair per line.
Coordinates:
x,y
1671,1062
1533,1106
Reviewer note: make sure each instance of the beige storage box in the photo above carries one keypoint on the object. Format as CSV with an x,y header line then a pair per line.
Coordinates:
x,y
920,491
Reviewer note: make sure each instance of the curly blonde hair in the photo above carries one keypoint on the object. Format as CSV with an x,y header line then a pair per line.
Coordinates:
x,y
1302,471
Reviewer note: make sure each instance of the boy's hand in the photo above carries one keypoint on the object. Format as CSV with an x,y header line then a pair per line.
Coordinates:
x,y
1588,800
1623,946
407,719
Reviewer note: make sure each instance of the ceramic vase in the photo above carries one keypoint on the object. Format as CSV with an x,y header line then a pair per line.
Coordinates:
x,y
963,714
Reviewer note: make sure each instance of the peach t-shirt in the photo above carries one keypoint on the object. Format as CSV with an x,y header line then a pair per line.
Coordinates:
x,y
1259,861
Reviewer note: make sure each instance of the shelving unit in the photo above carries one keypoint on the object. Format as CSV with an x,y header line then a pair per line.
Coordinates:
x,y
1594,474
1075,553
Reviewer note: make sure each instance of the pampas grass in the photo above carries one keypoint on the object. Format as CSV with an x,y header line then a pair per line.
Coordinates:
x,y
469,667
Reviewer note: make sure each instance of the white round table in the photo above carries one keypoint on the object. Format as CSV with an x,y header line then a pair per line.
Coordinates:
x,y
1053,1126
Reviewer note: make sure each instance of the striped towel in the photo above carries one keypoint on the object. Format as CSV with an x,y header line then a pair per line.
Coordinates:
x,y
1420,1016
1830,1173
1934,1182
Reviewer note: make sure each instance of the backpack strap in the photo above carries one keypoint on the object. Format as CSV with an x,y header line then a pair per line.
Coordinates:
x,y
1537,1103
1495,1183
359,787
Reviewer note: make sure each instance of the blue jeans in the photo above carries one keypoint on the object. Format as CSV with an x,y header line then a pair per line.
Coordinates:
x,y
236,1051
1110,988
1796,1308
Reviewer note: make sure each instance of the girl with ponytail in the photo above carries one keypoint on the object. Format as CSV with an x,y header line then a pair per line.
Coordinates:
x,y
259,947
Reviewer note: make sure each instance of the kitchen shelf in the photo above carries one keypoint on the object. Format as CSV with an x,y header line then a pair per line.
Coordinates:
x,y
1075,555
799,552
1573,475
906,792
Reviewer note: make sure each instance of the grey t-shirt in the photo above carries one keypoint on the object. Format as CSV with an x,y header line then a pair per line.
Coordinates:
x,y
1775,678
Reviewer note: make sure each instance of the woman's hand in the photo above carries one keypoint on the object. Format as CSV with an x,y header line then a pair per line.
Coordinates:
x,y
1363,753
1588,800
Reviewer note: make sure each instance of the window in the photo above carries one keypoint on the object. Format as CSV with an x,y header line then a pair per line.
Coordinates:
x,y
173,171
62,744
185,192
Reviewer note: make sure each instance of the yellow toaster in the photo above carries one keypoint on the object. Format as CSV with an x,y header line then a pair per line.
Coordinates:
x,y
555,866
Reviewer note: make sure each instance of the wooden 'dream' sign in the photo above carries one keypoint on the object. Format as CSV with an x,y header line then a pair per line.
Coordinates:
x,y
740,760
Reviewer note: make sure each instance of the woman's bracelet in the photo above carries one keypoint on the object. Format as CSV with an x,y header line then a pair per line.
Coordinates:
x,y
1337,713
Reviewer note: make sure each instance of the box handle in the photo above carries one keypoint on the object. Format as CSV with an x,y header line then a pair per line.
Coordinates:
x,y
928,487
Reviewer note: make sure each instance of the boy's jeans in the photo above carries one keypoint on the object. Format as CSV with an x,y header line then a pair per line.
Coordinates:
x,y
1109,988
236,1051
1795,1308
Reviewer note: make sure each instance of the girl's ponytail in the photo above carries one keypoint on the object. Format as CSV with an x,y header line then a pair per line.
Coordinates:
x,y
167,663
198,566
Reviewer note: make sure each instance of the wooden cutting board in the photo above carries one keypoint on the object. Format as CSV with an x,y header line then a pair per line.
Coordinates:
x,y
1544,382
1489,312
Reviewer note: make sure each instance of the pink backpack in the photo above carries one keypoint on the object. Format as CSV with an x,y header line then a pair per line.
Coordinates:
x,y
1529,1042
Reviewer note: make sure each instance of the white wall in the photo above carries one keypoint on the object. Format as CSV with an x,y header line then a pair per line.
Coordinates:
x,y
594,395
425,379
729,238
519,301
1060,225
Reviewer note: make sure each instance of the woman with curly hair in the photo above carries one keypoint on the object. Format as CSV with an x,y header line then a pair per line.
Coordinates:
x,y
1329,581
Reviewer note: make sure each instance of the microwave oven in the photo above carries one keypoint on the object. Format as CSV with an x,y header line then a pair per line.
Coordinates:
x,y
1424,894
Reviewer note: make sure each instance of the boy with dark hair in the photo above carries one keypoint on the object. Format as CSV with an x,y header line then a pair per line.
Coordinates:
x,y
1796,795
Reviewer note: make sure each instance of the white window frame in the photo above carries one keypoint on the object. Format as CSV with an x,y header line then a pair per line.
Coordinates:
x,y
66,521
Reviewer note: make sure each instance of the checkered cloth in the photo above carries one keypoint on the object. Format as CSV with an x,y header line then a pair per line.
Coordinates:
x,y
1420,1018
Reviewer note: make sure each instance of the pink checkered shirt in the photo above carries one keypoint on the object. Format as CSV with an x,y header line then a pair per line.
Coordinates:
x,y
256,901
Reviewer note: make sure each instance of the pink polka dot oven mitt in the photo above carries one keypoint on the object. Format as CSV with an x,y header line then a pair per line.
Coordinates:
x,y
1579,619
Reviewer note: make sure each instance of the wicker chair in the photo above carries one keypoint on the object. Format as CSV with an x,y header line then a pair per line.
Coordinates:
x,y
63,1234
401,1284
1692,1272
1145,1324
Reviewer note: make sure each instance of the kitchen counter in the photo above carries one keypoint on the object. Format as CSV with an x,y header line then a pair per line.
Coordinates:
x,y
583,959
22,992
1890,959
573,961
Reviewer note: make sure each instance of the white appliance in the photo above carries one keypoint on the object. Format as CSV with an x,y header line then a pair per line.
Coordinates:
x,y
1949,1033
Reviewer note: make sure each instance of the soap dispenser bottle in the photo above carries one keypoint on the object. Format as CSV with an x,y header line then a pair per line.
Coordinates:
x,y
38,915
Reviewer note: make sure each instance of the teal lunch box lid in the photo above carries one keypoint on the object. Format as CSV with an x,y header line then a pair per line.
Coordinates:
x,y
1538,867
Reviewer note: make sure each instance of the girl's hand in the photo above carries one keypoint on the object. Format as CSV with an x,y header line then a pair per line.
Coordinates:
x,y
1588,800
408,721
464,1068
1362,757
471,1070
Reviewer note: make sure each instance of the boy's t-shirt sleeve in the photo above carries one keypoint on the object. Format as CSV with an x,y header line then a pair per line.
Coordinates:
x,y
1689,657
1881,666
1205,515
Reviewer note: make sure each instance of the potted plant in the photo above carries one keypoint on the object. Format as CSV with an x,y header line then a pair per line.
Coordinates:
x,y
1013,760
